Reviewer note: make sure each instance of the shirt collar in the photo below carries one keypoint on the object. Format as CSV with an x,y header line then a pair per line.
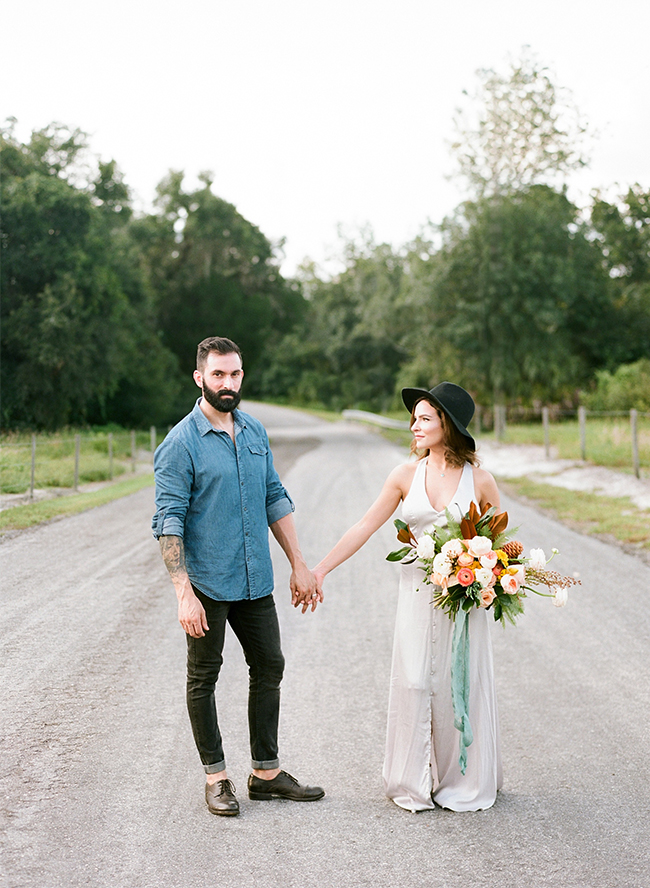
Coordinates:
x,y
204,425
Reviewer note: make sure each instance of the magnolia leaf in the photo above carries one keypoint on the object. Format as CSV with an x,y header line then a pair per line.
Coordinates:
x,y
399,554
499,523
468,529
473,513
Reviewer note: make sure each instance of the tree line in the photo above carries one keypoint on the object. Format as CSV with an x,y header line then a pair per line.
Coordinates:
x,y
519,295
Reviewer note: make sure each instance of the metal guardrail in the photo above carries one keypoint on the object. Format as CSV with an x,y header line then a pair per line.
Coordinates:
x,y
375,419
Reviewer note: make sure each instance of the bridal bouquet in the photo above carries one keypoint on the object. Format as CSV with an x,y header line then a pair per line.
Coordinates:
x,y
472,563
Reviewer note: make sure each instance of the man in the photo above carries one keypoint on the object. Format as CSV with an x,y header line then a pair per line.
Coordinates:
x,y
217,493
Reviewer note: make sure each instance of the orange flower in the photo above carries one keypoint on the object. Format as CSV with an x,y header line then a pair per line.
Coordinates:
x,y
465,576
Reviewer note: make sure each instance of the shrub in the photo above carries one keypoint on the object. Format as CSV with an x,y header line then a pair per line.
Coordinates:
x,y
628,387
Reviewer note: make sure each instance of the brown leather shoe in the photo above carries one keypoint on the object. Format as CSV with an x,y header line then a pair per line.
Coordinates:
x,y
220,797
284,786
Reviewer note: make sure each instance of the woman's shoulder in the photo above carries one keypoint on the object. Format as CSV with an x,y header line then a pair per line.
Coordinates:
x,y
481,474
485,485
402,475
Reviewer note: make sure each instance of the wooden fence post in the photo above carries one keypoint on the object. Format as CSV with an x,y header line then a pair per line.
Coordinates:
x,y
133,451
152,435
547,443
33,471
110,455
635,443
582,419
77,453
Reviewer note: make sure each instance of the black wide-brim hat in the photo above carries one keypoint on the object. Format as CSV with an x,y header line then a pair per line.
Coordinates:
x,y
452,399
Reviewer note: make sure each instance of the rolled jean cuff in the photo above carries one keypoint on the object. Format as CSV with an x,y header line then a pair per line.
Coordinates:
x,y
214,769
269,765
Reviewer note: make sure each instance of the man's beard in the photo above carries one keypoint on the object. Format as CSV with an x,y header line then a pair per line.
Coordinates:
x,y
225,400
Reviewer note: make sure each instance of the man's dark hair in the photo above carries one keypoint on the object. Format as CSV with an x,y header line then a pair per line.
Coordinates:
x,y
218,344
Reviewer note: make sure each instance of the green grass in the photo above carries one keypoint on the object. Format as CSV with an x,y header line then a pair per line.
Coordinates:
x,y
608,440
21,517
588,513
55,459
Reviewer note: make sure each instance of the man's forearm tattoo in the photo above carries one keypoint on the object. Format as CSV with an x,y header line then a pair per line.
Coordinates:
x,y
173,553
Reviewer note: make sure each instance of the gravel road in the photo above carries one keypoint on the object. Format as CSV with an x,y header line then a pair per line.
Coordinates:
x,y
100,782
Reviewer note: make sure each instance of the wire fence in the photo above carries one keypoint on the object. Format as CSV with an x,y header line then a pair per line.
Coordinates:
x,y
618,440
66,461
615,439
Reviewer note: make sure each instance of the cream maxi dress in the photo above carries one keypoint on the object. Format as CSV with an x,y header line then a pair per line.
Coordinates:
x,y
421,762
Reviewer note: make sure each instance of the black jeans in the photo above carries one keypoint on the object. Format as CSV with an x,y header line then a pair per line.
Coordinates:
x,y
255,623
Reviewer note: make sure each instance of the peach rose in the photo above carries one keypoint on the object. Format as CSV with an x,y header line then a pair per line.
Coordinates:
x,y
519,571
487,597
509,584
465,559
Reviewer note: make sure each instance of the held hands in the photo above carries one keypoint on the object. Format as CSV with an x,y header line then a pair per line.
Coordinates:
x,y
305,588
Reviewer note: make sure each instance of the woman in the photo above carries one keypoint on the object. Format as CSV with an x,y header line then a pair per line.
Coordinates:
x,y
421,762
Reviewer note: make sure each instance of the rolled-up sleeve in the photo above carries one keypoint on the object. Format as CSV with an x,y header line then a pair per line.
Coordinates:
x,y
278,501
174,473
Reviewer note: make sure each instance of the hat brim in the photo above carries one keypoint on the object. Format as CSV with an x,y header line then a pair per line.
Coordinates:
x,y
411,396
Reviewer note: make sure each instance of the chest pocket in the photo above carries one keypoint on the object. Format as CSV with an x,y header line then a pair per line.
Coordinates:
x,y
258,449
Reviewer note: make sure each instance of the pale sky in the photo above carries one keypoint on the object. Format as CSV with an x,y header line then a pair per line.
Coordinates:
x,y
311,114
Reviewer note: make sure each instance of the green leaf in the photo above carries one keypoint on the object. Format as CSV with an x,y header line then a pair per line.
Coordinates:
x,y
399,554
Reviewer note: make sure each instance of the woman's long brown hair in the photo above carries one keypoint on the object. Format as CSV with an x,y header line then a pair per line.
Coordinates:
x,y
458,450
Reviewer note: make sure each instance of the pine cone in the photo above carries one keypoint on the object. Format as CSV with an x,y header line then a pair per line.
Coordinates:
x,y
513,549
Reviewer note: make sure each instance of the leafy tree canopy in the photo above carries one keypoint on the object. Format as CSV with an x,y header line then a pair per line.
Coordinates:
x,y
519,129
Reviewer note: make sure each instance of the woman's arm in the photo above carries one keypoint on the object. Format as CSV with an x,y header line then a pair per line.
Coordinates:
x,y
486,489
379,512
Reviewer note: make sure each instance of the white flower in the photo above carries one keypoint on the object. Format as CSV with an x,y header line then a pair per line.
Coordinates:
x,y
426,547
484,575
441,565
537,559
489,560
479,545
452,548
560,596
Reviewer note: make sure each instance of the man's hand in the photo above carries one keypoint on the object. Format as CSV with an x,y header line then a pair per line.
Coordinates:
x,y
305,590
191,615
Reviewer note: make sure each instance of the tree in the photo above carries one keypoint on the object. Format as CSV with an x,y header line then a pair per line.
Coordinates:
x,y
515,301
623,230
348,350
74,317
519,130
214,273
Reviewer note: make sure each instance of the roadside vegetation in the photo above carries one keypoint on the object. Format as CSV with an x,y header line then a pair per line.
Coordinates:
x,y
31,514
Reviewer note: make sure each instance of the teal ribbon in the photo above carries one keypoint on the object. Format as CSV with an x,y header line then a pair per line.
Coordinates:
x,y
460,684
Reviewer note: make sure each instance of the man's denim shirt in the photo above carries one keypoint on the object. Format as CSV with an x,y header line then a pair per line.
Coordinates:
x,y
220,498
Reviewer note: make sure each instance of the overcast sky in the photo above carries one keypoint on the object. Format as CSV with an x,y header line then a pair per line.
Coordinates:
x,y
311,114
